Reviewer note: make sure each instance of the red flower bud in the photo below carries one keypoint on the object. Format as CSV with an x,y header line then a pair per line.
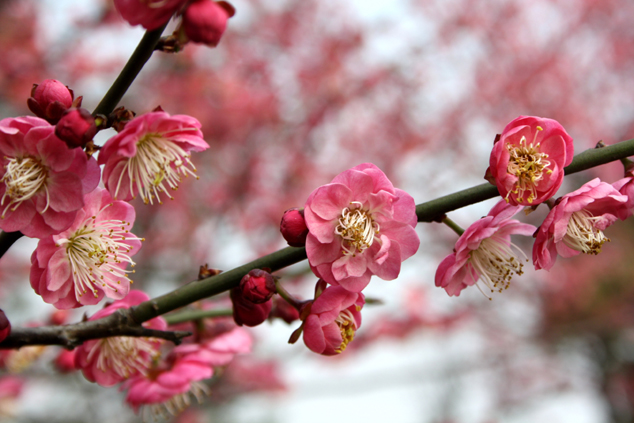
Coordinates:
x,y
293,227
246,312
5,326
204,21
50,99
257,286
76,127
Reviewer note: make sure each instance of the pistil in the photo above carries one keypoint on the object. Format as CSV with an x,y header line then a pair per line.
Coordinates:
x,y
582,235
528,164
23,178
357,230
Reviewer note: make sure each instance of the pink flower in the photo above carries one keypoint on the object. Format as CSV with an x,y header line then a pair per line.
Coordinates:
x,y
148,13
359,225
485,252
169,385
626,187
42,181
334,317
152,151
90,257
527,162
576,223
204,21
76,127
108,361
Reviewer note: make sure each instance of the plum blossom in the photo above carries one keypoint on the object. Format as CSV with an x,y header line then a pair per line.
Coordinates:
x,y
204,21
148,13
332,320
42,181
359,225
170,383
108,361
527,162
484,252
150,155
50,99
88,260
626,187
576,223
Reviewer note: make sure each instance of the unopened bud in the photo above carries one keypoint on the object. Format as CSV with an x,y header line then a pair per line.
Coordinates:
x,y
246,312
50,99
257,286
204,21
293,227
5,326
283,310
76,127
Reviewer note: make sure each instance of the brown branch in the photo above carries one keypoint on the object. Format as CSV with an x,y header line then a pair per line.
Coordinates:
x,y
119,323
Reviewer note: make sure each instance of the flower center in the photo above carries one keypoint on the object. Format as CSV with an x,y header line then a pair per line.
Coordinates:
x,y
19,360
158,164
125,355
346,324
23,178
357,230
528,165
95,252
495,261
581,234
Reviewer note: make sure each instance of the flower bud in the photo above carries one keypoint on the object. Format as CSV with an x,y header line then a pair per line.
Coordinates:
x,y
5,326
293,227
204,21
76,127
50,99
283,310
257,286
246,312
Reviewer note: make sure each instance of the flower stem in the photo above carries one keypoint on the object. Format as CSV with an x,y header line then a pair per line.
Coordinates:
x,y
141,55
286,296
188,315
453,225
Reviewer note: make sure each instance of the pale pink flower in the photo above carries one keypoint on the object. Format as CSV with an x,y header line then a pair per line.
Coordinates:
x,y
334,317
108,361
150,155
484,252
527,162
359,225
168,386
148,13
42,181
576,223
88,260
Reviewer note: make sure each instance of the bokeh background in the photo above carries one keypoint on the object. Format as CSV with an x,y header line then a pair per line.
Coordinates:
x,y
300,90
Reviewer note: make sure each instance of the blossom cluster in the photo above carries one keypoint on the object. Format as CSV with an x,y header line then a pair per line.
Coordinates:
x,y
527,165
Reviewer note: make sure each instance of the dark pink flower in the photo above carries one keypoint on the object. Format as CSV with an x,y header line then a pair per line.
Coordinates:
x,y
204,21
76,127
484,252
257,286
246,312
359,225
88,260
576,223
293,227
150,155
527,162
148,13
42,181
334,317
5,326
108,361
50,99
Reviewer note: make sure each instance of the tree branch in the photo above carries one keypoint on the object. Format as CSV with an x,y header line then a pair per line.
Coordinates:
x,y
126,322
119,323
141,55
